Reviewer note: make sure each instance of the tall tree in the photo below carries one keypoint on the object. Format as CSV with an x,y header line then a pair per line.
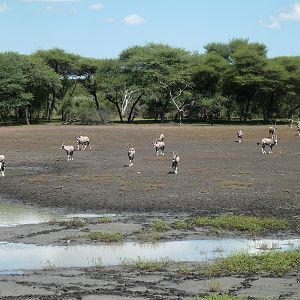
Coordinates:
x,y
66,65
246,76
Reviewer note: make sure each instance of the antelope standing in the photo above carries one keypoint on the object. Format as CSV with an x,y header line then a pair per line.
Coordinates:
x,y
131,153
2,165
69,150
290,123
272,131
268,142
175,162
82,141
159,147
239,136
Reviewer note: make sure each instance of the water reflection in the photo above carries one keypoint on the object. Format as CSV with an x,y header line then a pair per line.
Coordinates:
x,y
14,256
14,214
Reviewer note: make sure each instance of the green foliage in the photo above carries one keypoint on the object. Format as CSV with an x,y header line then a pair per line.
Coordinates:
x,y
234,79
253,225
103,220
72,223
160,226
108,237
146,264
81,110
149,236
274,262
217,297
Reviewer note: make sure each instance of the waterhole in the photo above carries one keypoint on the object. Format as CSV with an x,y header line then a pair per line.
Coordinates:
x,y
16,256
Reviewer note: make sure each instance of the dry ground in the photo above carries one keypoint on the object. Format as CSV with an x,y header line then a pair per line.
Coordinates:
x,y
216,174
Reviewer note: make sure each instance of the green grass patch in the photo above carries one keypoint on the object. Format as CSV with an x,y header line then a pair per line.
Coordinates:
x,y
48,266
70,223
243,223
183,225
160,226
146,264
108,237
273,262
149,236
103,220
217,297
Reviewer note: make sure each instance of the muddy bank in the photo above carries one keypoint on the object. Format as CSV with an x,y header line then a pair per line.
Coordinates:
x,y
118,282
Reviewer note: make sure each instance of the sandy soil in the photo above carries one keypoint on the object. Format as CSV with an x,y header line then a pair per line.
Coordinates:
x,y
216,175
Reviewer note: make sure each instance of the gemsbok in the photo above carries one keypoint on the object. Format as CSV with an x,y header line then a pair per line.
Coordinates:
x,y
83,141
131,154
268,142
69,150
2,165
239,136
159,147
175,162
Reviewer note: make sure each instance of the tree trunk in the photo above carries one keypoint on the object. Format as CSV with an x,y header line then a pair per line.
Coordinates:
x,y
27,116
96,100
51,105
130,119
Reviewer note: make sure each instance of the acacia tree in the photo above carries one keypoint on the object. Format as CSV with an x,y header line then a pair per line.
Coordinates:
x,y
111,81
87,72
12,84
66,65
164,70
24,82
291,65
245,76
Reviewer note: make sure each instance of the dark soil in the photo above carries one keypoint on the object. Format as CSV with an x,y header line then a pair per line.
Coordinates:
x,y
216,174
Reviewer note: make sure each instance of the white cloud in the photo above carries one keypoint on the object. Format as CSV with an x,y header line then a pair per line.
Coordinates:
x,y
3,7
293,15
134,19
96,7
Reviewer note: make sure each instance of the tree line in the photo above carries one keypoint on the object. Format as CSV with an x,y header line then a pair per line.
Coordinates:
x,y
229,80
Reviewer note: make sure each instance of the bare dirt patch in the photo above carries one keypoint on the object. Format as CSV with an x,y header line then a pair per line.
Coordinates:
x,y
216,176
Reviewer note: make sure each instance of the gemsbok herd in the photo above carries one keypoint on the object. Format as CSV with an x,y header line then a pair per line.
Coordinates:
x,y
83,142
159,145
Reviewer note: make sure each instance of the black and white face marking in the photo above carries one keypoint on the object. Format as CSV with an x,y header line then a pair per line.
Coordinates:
x,y
240,135
2,168
131,153
175,161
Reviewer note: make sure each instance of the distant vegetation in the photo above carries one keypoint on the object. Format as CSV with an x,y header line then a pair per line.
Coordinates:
x,y
155,81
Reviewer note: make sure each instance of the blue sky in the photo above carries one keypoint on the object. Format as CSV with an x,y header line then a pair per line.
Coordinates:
x,y
103,28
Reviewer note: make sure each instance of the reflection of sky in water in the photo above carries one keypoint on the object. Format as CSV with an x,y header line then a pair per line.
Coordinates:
x,y
20,256
12,214
17,214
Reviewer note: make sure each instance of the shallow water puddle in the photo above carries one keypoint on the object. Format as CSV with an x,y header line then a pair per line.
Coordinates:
x,y
15,256
14,214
